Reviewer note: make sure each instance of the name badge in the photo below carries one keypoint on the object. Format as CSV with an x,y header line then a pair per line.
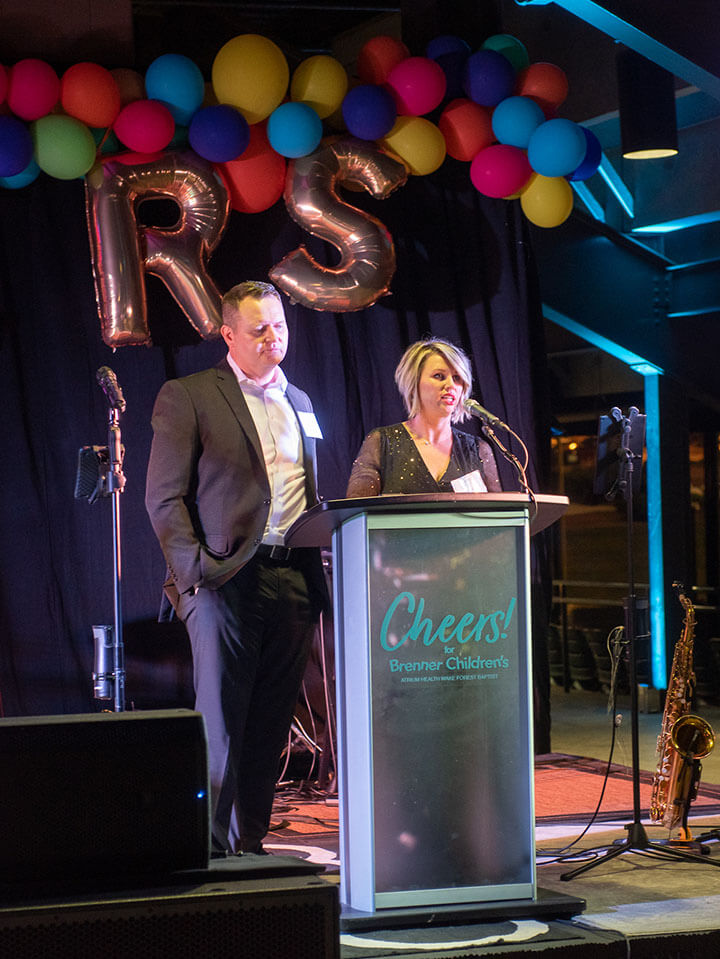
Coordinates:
x,y
469,483
309,424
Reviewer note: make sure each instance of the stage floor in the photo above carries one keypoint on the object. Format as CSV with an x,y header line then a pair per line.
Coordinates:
x,y
635,904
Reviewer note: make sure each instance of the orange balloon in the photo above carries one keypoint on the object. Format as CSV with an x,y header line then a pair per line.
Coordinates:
x,y
90,93
130,83
256,179
467,128
545,83
378,56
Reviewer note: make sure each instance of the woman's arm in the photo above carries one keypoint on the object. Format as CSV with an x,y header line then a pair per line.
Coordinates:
x,y
366,474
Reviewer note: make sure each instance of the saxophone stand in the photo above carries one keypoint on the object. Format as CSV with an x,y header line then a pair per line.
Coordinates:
x,y
637,840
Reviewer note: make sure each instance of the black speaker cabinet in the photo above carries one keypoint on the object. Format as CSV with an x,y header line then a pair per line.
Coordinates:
x,y
286,917
103,795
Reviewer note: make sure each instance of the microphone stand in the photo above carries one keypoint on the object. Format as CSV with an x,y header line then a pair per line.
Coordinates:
x,y
637,839
115,486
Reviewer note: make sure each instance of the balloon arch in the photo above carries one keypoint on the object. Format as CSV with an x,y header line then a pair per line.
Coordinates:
x,y
256,134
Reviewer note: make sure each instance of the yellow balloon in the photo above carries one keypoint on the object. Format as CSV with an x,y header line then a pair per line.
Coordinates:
x,y
547,200
251,74
418,143
321,82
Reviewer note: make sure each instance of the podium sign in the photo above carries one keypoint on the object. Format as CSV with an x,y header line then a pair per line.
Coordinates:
x,y
434,722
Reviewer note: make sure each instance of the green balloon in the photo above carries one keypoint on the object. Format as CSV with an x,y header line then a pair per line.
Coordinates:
x,y
64,147
510,47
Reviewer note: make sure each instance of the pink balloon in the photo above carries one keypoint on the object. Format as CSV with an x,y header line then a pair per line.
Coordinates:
x,y
418,85
500,170
33,90
146,126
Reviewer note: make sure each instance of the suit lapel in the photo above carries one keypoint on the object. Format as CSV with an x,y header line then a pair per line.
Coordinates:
x,y
230,388
298,402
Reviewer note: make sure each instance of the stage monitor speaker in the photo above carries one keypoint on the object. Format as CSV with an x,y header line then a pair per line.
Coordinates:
x,y
103,795
272,918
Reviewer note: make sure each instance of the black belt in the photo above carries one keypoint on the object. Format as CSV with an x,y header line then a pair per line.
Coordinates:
x,y
277,554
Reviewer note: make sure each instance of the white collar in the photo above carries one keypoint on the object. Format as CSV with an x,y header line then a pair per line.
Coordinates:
x,y
278,382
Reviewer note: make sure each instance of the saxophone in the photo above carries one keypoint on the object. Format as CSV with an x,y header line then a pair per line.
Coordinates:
x,y
683,736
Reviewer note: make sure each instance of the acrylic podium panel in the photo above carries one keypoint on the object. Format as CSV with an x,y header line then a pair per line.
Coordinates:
x,y
434,707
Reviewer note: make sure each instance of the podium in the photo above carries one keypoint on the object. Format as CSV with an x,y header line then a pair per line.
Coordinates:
x,y
434,695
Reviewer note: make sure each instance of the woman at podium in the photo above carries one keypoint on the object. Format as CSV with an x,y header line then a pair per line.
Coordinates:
x,y
426,453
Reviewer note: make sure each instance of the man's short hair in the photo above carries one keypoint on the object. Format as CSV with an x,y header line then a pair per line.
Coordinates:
x,y
248,290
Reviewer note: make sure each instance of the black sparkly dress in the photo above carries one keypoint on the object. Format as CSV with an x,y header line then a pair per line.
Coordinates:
x,y
390,462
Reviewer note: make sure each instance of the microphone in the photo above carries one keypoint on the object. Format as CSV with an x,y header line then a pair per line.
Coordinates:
x,y
108,381
474,408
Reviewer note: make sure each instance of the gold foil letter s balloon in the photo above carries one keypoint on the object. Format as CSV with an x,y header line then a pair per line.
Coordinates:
x,y
367,254
123,250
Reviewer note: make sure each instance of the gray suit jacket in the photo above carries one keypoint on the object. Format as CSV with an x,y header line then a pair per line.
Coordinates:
x,y
207,492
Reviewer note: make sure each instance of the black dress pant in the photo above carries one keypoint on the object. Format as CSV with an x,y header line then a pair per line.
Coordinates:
x,y
250,641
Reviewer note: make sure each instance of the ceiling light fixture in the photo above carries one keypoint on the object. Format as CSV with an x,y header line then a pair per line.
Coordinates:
x,y
646,99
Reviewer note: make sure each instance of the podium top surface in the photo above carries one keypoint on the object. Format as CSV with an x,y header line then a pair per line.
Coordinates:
x,y
315,527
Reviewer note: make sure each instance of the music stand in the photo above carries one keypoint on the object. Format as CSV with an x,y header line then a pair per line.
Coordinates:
x,y
621,440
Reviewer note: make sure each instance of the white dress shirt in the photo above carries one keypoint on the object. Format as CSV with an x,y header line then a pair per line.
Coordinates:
x,y
279,432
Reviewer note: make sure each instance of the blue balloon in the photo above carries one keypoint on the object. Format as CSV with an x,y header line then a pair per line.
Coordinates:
x,y
16,146
219,133
591,161
294,129
556,148
515,119
489,77
451,54
176,81
369,111
445,44
17,182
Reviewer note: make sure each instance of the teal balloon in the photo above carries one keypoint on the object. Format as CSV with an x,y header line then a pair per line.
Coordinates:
x,y
294,129
106,137
19,180
64,147
557,147
515,119
510,47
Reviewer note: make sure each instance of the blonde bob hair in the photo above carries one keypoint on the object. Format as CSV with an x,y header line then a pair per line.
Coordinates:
x,y
409,370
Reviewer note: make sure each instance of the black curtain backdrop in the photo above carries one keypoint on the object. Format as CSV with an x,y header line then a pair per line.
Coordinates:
x,y
465,271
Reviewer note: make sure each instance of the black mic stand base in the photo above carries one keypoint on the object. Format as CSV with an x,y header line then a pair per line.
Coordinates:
x,y
638,842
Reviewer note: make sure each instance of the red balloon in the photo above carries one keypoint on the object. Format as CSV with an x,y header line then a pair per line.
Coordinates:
x,y
90,93
4,80
33,90
377,58
467,128
255,181
500,170
545,83
145,126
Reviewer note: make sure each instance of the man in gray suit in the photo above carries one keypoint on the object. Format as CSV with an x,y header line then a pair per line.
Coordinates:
x,y
232,466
